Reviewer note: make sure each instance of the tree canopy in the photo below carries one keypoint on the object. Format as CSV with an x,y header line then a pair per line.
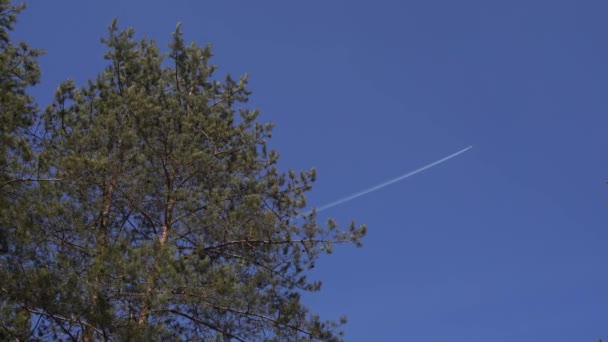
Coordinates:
x,y
147,204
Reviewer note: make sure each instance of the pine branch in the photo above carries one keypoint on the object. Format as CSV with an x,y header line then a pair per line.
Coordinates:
x,y
196,320
57,318
272,242
263,317
30,180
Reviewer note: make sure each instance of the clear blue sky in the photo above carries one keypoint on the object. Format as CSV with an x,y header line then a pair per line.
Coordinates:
x,y
507,242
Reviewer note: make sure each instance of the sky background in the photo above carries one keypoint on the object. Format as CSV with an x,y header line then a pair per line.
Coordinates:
x,y
506,242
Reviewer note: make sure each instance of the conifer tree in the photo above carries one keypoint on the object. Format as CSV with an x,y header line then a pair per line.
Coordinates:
x,y
18,71
167,217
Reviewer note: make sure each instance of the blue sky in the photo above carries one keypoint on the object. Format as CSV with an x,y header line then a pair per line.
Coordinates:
x,y
506,242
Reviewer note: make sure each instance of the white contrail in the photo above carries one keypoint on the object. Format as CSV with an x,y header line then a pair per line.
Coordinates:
x,y
389,182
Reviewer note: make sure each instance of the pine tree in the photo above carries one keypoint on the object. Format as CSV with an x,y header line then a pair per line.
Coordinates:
x,y
18,71
168,218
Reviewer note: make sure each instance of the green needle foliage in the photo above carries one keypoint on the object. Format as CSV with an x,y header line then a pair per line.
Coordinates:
x,y
149,206
18,70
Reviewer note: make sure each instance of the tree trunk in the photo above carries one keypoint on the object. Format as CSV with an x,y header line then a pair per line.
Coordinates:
x,y
164,237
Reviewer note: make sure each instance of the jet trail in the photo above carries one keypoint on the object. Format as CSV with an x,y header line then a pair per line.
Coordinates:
x,y
389,182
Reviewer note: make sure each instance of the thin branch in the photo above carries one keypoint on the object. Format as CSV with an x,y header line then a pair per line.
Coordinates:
x,y
259,264
215,150
140,210
238,90
196,320
31,180
65,319
270,242
54,318
13,68
269,319
34,328
73,246
188,214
